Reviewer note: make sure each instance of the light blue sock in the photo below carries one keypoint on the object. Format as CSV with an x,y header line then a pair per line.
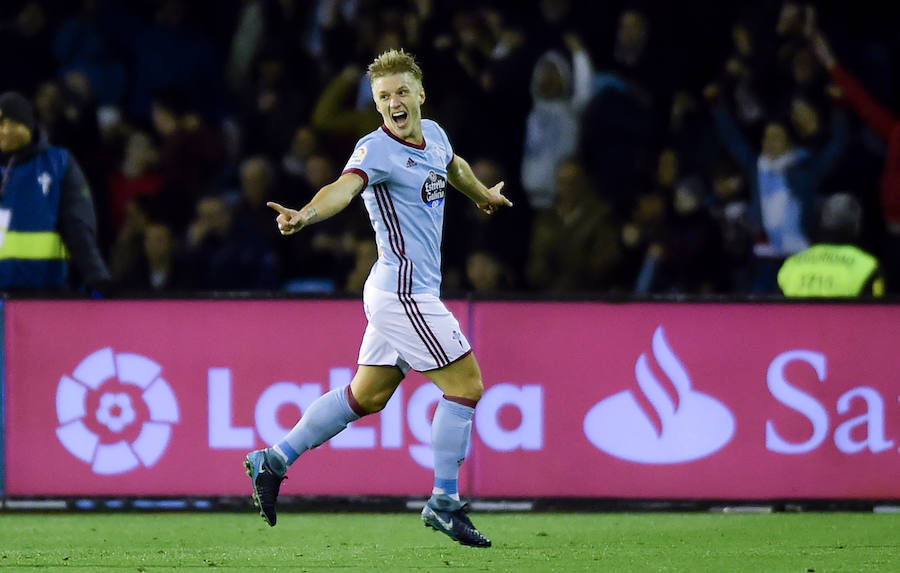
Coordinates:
x,y
324,419
450,434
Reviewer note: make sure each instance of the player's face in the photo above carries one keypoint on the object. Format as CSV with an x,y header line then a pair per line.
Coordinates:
x,y
398,99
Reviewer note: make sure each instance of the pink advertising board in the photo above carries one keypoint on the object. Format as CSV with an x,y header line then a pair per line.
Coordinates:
x,y
166,398
709,401
678,401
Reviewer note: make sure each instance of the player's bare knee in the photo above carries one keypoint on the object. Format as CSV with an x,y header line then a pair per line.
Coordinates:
x,y
374,402
474,388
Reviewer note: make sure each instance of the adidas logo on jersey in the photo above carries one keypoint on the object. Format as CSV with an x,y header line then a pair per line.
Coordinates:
x,y
410,162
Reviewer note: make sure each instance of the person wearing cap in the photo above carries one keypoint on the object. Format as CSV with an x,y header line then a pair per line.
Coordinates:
x,y
46,211
835,267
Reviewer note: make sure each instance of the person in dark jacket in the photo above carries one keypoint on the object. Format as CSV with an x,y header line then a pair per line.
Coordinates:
x,y
46,211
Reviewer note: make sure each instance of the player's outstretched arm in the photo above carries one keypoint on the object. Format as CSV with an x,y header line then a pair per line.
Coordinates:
x,y
329,201
461,176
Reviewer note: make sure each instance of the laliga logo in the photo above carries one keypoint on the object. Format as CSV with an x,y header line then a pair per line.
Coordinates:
x,y
99,405
692,427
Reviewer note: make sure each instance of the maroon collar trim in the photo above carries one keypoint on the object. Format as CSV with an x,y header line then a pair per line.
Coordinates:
x,y
408,144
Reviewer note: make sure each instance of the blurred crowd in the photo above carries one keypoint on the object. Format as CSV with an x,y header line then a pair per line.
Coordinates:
x,y
649,147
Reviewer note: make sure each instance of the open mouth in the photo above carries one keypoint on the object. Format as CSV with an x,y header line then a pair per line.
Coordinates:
x,y
400,118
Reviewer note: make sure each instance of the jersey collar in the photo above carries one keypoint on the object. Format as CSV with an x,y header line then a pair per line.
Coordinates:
x,y
406,143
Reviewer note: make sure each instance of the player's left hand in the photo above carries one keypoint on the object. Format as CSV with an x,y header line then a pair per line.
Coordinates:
x,y
494,200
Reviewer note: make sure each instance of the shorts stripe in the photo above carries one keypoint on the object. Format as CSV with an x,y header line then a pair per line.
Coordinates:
x,y
413,319
412,307
404,276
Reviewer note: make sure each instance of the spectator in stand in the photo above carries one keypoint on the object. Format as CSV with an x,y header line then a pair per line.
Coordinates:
x,y
226,254
620,123
275,106
640,239
69,120
690,258
559,90
729,208
257,186
805,122
691,134
507,71
790,27
642,234
170,51
26,54
191,157
462,51
486,273
574,245
158,267
82,45
128,244
506,232
742,76
681,243
273,27
136,176
805,75
293,161
785,181
885,123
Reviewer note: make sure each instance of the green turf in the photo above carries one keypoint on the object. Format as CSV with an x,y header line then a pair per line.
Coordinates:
x,y
819,542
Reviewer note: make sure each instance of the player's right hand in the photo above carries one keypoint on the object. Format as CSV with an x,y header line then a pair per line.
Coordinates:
x,y
288,220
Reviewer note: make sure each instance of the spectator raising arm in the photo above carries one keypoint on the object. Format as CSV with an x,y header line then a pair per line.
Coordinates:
x,y
730,133
874,114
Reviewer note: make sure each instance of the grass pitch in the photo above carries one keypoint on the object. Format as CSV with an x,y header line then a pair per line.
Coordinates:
x,y
805,543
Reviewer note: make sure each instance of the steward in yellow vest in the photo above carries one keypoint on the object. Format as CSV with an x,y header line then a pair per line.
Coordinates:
x,y
836,268
46,211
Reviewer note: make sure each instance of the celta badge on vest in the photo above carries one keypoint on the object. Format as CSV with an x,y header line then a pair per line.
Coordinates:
x,y
433,189
44,180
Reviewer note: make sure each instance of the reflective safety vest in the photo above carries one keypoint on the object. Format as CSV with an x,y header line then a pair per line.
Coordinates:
x,y
32,252
828,270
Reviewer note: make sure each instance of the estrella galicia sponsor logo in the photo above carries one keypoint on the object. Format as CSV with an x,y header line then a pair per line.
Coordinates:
x,y
691,427
434,189
115,411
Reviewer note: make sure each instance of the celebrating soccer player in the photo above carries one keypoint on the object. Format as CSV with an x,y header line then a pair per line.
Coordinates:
x,y
402,170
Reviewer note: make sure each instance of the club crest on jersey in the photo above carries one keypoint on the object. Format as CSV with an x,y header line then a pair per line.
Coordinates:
x,y
433,189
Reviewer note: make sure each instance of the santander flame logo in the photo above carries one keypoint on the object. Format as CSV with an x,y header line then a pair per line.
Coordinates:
x,y
691,426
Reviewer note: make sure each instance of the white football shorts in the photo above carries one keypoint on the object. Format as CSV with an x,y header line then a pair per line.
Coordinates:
x,y
410,331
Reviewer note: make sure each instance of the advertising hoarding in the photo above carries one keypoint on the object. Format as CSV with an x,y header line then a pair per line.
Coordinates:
x,y
674,401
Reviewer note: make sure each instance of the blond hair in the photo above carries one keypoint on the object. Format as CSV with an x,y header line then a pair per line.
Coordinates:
x,y
394,62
